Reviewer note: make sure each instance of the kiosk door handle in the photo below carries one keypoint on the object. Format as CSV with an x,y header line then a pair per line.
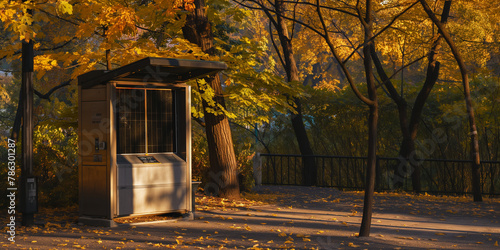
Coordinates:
x,y
96,145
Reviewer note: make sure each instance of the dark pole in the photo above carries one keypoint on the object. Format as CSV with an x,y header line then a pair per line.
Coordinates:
x,y
28,184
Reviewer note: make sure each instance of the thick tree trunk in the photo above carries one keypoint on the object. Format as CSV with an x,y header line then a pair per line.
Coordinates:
x,y
223,168
309,170
474,137
409,127
372,124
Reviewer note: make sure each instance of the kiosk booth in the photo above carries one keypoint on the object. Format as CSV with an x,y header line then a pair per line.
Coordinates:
x,y
134,132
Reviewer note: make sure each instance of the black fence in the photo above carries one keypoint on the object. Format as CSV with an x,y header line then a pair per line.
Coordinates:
x,y
348,173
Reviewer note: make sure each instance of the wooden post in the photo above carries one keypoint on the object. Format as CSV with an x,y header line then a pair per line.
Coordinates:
x,y
28,190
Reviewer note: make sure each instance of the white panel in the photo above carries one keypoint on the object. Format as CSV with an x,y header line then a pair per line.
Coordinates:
x,y
151,199
157,175
145,188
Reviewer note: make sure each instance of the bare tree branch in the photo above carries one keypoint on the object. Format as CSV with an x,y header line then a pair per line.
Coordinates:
x,y
325,7
19,112
47,95
275,46
198,120
337,57
382,30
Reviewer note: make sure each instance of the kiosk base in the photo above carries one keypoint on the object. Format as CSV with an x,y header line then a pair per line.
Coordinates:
x,y
98,222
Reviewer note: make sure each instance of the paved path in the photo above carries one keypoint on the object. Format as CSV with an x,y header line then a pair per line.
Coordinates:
x,y
300,218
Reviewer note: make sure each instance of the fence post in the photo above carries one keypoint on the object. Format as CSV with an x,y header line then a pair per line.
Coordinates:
x,y
257,169
377,174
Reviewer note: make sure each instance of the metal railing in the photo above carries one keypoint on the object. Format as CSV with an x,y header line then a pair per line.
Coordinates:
x,y
348,173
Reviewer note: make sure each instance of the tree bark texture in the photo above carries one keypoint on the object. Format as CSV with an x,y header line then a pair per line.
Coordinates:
x,y
14,134
474,137
372,124
27,130
309,169
222,174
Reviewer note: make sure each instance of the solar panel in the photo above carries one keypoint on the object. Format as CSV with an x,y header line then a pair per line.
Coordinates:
x,y
160,119
145,121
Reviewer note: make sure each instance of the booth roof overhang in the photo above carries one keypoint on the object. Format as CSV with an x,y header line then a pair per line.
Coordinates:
x,y
151,70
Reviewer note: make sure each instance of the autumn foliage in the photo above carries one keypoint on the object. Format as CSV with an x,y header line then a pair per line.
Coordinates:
x,y
72,37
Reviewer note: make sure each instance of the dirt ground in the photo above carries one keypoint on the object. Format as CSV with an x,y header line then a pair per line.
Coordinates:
x,y
286,217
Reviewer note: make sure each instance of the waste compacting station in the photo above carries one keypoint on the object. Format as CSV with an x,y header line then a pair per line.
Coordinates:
x,y
134,132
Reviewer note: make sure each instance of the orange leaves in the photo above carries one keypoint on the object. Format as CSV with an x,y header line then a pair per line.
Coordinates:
x,y
119,20
189,5
95,26
14,17
42,64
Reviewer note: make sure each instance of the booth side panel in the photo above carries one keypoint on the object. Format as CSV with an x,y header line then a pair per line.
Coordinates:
x,y
189,177
183,104
94,134
80,167
111,93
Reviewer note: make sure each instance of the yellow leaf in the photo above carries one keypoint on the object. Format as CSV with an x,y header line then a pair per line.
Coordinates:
x,y
306,239
271,241
64,7
282,234
352,244
496,243
440,234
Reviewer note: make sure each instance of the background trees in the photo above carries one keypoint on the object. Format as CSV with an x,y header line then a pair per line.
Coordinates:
x,y
72,37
